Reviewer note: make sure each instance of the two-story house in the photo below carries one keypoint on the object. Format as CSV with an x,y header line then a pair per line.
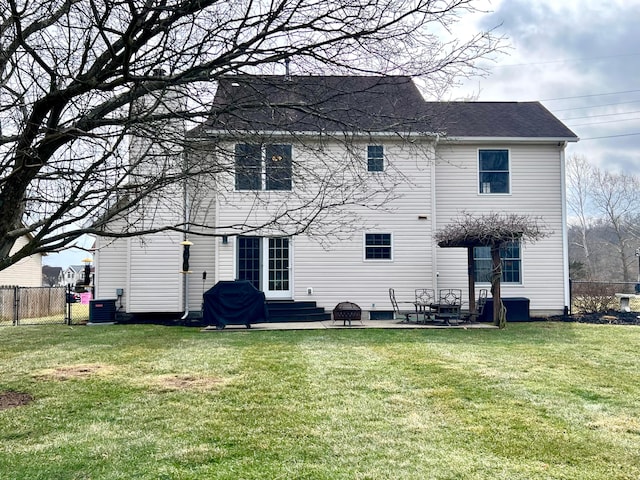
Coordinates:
x,y
331,188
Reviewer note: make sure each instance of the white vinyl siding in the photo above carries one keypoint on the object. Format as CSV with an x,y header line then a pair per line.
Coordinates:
x,y
155,281
110,260
429,193
26,272
536,190
337,271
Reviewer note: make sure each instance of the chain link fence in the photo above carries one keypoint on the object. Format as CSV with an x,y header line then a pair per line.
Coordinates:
x,y
40,306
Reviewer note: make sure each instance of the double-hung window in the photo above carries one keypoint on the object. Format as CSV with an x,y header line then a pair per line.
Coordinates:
x,y
493,171
511,263
377,246
375,158
263,167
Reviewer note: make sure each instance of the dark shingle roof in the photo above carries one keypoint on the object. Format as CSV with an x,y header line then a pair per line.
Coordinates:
x,y
368,104
498,119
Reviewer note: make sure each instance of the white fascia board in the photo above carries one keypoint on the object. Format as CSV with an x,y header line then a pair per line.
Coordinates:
x,y
509,139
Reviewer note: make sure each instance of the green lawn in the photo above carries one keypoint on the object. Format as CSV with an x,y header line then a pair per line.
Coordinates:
x,y
533,401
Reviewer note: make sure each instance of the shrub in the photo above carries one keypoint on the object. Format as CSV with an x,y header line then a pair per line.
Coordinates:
x,y
594,297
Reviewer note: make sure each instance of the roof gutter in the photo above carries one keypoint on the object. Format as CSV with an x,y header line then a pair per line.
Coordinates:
x,y
437,136
558,140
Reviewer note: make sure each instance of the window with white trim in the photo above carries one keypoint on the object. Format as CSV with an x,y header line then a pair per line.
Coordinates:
x,y
375,158
377,246
263,167
511,263
493,171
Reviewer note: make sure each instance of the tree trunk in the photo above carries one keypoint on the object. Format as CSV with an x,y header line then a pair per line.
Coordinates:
x,y
499,311
472,281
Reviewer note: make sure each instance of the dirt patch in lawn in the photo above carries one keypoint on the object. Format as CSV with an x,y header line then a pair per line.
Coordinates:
x,y
70,372
14,399
187,382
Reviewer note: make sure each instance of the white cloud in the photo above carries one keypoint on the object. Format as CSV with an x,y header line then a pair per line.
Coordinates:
x,y
581,59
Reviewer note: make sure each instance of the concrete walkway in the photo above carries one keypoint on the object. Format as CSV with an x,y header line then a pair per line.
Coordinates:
x,y
356,324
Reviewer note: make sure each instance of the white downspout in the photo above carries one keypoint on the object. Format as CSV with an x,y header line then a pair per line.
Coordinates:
x,y
565,234
184,243
434,223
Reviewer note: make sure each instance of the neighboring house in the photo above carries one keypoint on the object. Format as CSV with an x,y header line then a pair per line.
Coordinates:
x,y
26,272
52,276
74,275
425,162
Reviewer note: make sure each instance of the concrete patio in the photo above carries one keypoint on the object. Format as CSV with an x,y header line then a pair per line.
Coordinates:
x,y
355,324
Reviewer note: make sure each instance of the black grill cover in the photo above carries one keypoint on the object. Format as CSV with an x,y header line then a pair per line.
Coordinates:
x,y
234,303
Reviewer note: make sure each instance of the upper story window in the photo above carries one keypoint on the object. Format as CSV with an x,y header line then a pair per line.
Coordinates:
x,y
375,158
511,263
493,167
263,167
377,246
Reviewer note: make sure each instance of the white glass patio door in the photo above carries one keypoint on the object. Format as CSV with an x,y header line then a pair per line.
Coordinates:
x,y
276,272
266,263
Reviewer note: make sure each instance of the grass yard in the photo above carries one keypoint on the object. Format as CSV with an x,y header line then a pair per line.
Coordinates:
x,y
533,401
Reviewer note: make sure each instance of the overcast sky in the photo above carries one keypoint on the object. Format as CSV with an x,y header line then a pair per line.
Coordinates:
x,y
581,60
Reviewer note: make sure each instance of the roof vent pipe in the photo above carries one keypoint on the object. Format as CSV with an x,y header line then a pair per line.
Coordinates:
x,y
287,73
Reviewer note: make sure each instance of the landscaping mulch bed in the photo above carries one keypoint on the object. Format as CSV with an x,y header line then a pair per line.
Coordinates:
x,y
611,317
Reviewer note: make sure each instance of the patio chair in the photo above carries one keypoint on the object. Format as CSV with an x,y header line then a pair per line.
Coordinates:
x,y
480,303
449,305
425,303
397,311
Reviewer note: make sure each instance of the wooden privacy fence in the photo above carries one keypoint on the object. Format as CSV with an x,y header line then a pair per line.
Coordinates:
x,y
32,305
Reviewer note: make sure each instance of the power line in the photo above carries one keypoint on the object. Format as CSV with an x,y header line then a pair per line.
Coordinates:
x,y
610,136
567,60
606,121
586,96
594,106
600,115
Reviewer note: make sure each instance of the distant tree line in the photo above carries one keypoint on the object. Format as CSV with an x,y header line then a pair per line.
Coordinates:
x,y
604,223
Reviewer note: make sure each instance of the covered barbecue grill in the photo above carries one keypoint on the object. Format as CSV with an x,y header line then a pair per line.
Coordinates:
x,y
234,303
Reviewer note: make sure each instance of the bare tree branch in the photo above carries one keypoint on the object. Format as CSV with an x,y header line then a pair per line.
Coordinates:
x,y
77,76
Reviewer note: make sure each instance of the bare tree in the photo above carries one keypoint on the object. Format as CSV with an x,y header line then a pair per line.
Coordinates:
x,y
617,199
79,77
580,179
